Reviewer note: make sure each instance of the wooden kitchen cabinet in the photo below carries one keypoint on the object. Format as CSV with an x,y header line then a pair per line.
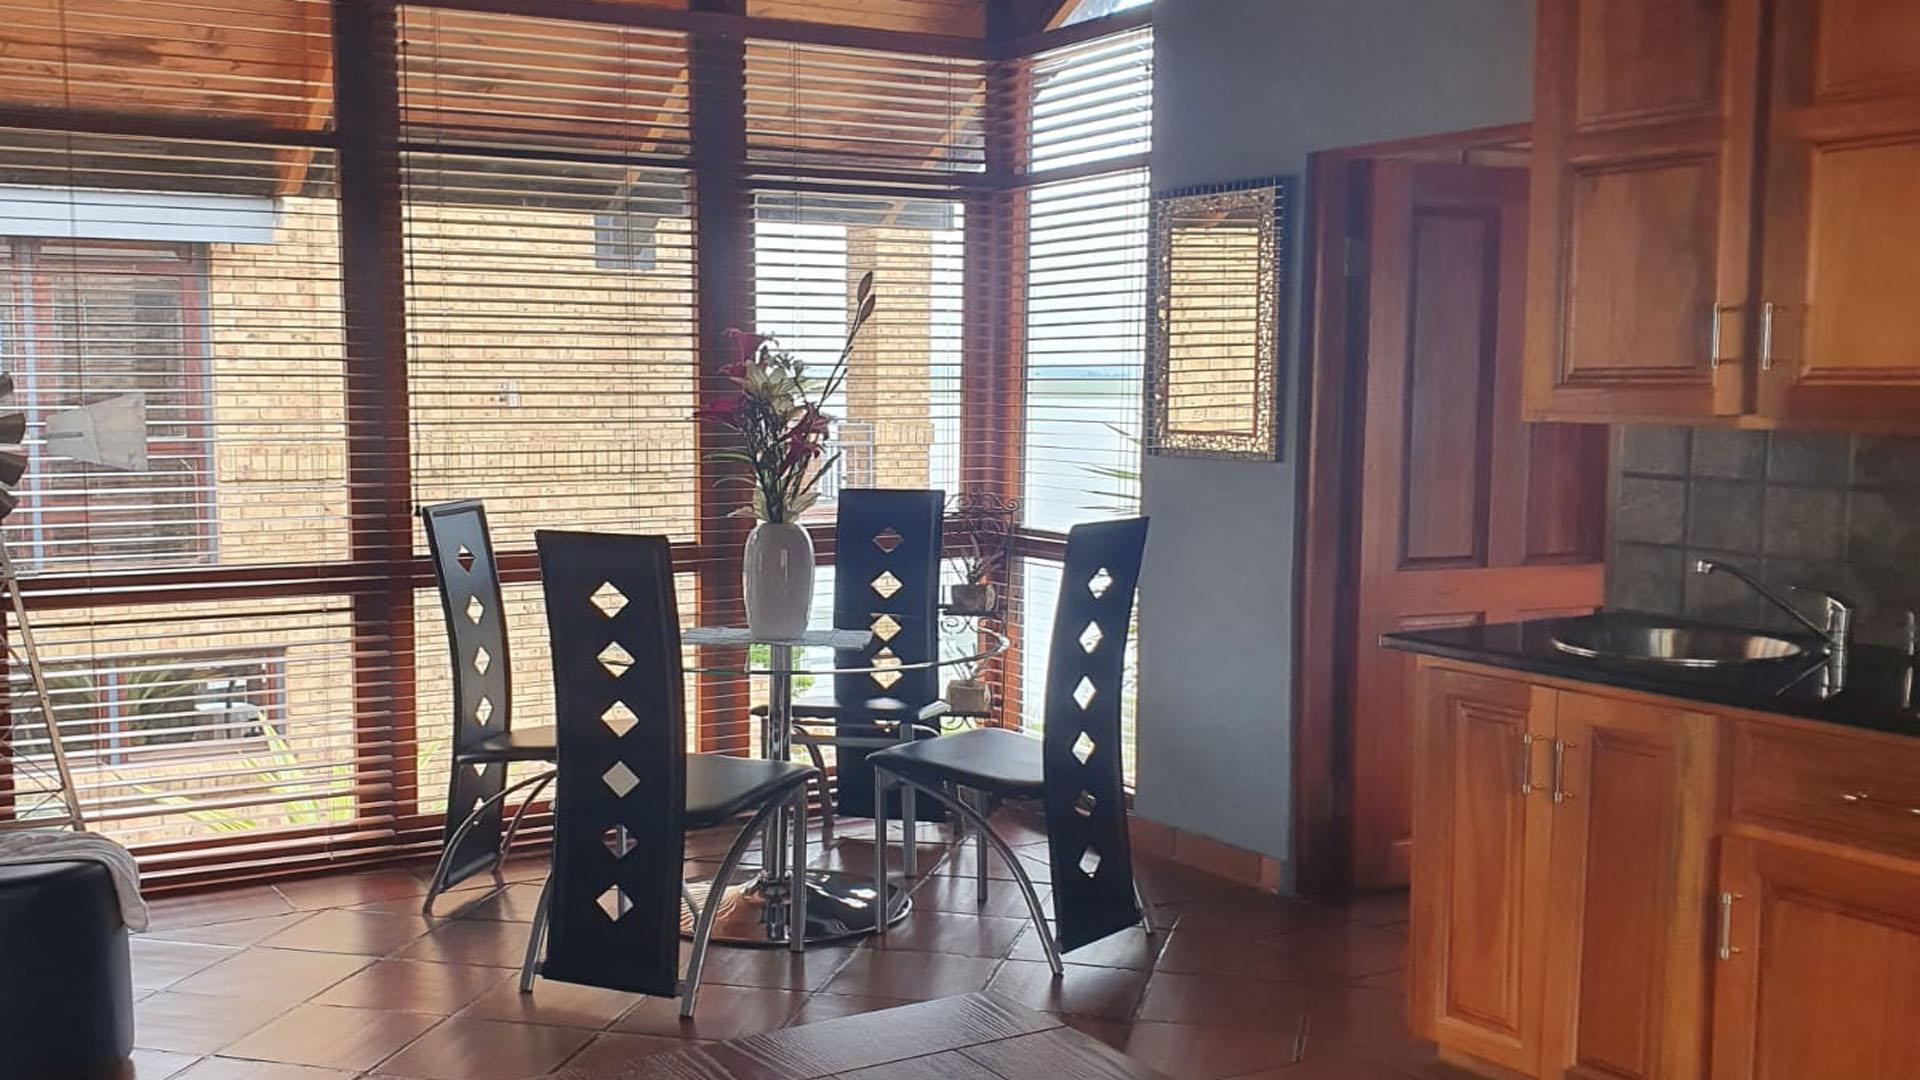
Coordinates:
x,y
1645,123
1820,968
1628,889
1561,878
1481,814
1840,336
1652,181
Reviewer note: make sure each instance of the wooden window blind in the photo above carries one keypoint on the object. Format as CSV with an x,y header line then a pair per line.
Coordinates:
x,y
247,650
863,111
1086,279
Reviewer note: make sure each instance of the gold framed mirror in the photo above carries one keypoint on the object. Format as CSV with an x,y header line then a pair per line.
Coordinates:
x,y
1213,359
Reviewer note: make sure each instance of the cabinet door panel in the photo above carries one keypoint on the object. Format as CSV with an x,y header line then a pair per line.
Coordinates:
x,y
1824,976
1626,982
1643,182
1841,226
1480,856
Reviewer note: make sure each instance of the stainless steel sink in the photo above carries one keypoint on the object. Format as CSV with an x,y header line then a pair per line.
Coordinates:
x,y
1682,646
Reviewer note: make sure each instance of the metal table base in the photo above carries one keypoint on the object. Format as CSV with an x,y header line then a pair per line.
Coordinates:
x,y
754,913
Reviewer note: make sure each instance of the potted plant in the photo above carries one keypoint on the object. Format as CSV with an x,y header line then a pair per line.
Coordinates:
x,y
967,693
975,593
775,411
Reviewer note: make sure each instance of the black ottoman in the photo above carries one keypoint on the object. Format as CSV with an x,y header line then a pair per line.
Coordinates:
x,y
66,985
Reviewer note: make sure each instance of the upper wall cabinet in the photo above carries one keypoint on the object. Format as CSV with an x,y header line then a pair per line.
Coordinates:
x,y
1642,205
1648,177
1840,231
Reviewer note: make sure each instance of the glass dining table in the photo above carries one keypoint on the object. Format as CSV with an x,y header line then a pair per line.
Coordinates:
x,y
755,912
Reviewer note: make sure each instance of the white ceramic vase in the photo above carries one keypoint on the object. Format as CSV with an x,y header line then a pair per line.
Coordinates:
x,y
777,571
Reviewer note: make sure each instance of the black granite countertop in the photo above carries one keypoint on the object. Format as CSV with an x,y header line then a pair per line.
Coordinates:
x,y
1877,691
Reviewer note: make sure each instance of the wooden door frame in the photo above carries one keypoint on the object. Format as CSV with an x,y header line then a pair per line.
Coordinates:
x,y
1326,568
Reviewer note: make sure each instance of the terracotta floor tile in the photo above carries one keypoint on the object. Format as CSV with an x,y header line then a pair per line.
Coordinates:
x,y
486,1050
1350,952
224,1068
1247,913
613,1048
1378,909
472,941
832,1006
409,986
189,1024
158,1064
775,968
1356,1017
263,974
556,1004
941,892
1348,1066
240,932
1191,1052
1133,949
227,905
515,903
346,890
944,932
333,1037
724,1012
912,976
1109,993
158,963
445,906
1226,1001
1167,882
357,933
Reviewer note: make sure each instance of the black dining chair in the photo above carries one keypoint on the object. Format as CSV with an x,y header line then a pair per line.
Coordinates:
x,y
1073,769
886,580
609,914
485,741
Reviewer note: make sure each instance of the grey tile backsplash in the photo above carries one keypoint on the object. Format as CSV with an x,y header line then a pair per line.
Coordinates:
x,y
1834,512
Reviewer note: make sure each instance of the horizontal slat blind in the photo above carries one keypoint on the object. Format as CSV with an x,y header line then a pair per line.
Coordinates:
x,y
203,274
1086,281
897,420
264,62
550,307
859,109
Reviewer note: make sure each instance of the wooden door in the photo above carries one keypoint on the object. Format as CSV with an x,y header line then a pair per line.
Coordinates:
x,y
1477,936
1821,976
1645,126
1841,224
1630,890
1467,514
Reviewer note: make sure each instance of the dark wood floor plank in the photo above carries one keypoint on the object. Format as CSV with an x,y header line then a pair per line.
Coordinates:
x,y
952,1065
1061,1054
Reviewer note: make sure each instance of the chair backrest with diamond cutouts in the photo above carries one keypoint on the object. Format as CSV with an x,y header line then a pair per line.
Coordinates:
x,y
1086,666
620,723
886,580
469,582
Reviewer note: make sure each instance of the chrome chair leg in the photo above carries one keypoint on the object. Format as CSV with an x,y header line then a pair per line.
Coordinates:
x,y
826,790
882,903
686,897
983,802
797,894
1140,901
703,927
536,937
438,883
506,844
1041,925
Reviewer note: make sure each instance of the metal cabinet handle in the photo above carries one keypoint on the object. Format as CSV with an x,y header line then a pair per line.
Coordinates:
x,y
1726,949
1526,763
1560,792
1766,335
1866,798
1714,338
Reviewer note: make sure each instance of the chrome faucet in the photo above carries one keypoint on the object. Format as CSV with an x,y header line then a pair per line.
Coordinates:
x,y
1837,609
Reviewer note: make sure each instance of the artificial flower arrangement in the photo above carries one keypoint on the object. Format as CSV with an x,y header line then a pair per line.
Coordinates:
x,y
777,410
